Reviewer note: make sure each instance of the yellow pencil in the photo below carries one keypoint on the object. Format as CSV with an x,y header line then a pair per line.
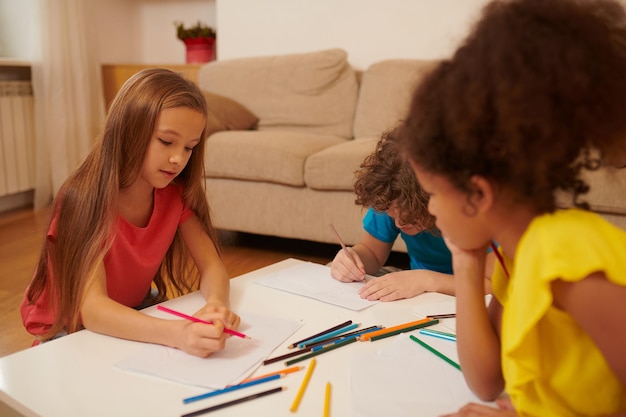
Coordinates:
x,y
282,371
305,382
327,401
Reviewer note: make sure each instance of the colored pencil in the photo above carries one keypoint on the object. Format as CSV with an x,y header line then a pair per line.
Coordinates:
x,y
339,326
327,400
436,352
319,352
232,388
234,402
343,245
329,335
441,316
309,348
403,330
287,355
494,248
342,336
303,385
282,371
197,320
441,335
368,336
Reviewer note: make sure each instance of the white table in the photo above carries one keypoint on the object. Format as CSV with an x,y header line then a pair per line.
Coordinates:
x,y
75,376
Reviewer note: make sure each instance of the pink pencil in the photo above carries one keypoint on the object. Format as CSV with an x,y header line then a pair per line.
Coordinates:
x,y
197,320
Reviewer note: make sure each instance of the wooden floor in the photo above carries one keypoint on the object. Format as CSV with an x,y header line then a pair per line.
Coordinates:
x,y
21,232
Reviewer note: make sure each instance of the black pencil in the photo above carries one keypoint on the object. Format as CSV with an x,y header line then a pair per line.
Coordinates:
x,y
287,355
332,329
308,348
319,352
233,402
441,316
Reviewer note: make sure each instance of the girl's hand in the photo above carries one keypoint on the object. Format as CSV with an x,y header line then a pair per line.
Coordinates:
x,y
215,311
347,266
464,260
201,339
505,409
397,285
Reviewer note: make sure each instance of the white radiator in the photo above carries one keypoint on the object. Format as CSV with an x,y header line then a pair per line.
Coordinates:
x,y
17,137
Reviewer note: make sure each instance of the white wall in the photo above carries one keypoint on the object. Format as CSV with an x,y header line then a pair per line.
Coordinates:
x,y
130,31
369,30
17,29
142,31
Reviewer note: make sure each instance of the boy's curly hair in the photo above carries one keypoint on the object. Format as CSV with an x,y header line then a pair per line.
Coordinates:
x,y
385,179
535,87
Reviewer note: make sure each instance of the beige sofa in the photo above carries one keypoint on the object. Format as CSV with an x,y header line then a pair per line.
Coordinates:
x,y
291,176
318,119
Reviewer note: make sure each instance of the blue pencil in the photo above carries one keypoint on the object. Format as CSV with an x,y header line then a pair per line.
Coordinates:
x,y
441,335
329,335
343,339
232,388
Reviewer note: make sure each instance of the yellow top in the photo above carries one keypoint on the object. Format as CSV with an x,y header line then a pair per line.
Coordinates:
x,y
550,365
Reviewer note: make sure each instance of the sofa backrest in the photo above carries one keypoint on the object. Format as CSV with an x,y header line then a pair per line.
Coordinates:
x,y
313,92
607,187
385,94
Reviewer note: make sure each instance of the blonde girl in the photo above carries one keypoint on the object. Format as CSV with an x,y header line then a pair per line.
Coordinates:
x,y
127,222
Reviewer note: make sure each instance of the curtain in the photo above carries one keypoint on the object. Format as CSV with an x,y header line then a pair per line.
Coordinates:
x,y
67,86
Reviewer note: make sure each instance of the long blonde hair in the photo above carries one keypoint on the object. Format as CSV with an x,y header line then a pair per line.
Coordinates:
x,y
87,204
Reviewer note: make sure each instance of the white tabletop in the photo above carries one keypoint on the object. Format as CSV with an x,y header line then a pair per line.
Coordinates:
x,y
75,375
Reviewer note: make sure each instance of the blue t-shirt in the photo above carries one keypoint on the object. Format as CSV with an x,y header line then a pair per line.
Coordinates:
x,y
425,250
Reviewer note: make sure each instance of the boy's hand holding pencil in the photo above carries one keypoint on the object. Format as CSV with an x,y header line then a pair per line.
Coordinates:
x,y
347,266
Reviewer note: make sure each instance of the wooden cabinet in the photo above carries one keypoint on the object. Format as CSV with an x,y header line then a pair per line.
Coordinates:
x,y
114,75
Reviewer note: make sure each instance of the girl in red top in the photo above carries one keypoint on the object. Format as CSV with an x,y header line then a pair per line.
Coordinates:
x,y
128,219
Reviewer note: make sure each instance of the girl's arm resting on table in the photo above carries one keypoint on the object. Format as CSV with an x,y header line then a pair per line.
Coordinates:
x,y
407,284
597,305
214,280
478,327
103,315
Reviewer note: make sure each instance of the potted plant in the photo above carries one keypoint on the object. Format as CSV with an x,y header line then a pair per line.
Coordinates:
x,y
199,42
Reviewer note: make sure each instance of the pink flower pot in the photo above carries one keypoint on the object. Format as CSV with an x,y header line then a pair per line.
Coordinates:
x,y
200,50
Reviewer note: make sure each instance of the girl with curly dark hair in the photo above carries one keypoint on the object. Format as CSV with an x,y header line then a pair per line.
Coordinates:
x,y
534,97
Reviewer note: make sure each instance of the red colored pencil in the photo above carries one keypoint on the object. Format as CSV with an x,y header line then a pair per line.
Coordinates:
x,y
197,320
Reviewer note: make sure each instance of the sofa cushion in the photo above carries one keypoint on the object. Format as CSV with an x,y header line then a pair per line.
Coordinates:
x,y
227,114
333,168
607,189
271,156
310,92
385,94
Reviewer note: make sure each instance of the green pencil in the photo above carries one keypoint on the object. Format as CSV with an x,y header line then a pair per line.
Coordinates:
x,y
406,329
436,352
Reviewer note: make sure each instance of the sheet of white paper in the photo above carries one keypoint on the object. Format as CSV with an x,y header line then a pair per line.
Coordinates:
x,y
415,382
314,281
442,307
228,366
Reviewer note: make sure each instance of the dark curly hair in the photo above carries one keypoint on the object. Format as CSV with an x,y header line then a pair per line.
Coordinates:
x,y
385,179
536,87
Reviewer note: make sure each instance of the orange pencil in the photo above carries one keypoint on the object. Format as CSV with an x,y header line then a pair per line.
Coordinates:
x,y
282,371
368,336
